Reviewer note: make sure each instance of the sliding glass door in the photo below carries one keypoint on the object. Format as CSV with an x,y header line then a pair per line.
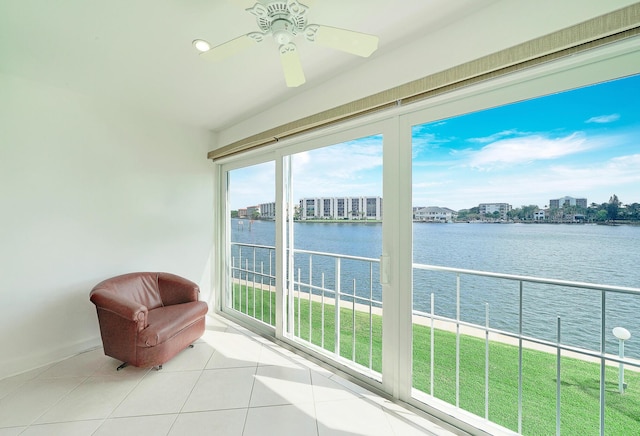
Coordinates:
x,y
304,233
514,290
334,297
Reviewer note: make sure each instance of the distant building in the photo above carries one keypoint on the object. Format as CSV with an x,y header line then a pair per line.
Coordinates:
x,y
337,208
490,208
268,211
567,201
434,214
242,213
540,215
252,210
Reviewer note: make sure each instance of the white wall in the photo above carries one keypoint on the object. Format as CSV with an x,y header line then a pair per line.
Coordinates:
x,y
88,191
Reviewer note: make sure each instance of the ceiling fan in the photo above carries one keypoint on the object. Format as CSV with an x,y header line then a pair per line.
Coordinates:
x,y
284,20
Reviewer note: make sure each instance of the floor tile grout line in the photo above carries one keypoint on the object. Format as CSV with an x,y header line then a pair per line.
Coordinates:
x,y
121,401
175,419
33,422
255,378
196,383
110,415
315,409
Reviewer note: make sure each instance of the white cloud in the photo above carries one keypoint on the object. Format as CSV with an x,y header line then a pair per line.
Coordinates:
x,y
353,168
252,185
527,149
596,182
603,119
494,137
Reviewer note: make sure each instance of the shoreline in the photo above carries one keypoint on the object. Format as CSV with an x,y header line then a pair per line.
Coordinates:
x,y
347,221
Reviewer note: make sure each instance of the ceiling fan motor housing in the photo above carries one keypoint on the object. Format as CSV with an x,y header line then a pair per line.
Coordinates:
x,y
283,19
283,31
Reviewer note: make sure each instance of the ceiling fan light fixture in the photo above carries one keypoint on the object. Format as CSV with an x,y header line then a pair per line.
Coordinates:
x,y
201,45
282,31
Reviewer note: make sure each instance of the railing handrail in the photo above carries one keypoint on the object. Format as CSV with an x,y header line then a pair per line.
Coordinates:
x,y
516,277
244,244
334,255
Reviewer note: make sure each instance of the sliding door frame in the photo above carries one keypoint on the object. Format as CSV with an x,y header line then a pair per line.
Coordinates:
x,y
613,61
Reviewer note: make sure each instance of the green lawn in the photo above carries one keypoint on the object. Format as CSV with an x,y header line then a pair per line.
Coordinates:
x,y
580,386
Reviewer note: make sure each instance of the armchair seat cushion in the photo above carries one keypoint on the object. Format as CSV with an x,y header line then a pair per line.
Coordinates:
x,y
166,322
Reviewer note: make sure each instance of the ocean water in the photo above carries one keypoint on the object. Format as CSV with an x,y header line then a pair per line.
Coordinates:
x,y
607,255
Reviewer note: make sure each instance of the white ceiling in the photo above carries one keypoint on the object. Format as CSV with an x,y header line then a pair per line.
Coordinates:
x,y
138,52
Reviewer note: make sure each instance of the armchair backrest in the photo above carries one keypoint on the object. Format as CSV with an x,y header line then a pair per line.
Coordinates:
x,y
141,287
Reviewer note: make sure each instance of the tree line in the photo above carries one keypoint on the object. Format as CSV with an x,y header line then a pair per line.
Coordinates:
x,y
612,211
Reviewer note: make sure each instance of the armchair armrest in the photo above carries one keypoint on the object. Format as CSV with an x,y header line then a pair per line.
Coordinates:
x,y
176,290
127,309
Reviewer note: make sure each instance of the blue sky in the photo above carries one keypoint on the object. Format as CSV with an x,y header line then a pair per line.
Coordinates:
x,y
580,143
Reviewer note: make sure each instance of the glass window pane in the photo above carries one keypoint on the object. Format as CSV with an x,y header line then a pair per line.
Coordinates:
x,y
253,258
544,188
337,190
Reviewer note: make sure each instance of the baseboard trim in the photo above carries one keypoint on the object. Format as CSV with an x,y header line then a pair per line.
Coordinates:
x,y
34,361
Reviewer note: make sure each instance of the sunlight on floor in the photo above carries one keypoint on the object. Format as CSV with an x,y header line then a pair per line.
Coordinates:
x,y
231,383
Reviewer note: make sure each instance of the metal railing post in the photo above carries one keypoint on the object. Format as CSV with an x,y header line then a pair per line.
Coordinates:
x,y
310,294
603,342
246,286
254,283
336,344
353,323
322,312
299,286
231,292
239,279
486,363
520,314
457,340
432,341
558,383
370,315
262,290
270,299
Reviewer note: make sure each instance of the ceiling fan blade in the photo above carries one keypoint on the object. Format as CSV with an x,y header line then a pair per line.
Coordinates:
x,y
232,47
293,73
359,44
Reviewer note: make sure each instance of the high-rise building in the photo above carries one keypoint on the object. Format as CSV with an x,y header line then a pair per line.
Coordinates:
x,y
567,201
490,208
337,208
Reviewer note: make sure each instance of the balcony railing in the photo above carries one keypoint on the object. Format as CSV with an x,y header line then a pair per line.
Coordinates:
x,y
336,306
319,280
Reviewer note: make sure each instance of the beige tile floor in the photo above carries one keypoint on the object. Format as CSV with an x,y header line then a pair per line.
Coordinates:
x,y
231,383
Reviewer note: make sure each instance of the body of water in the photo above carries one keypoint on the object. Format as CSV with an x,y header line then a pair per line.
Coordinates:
x,y
607,255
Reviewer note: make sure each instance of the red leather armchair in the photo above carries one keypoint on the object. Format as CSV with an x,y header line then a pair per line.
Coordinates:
x,y
147,318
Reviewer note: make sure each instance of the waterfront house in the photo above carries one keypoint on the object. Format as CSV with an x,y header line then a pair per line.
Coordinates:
x,y
435,214
540,215
107,116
